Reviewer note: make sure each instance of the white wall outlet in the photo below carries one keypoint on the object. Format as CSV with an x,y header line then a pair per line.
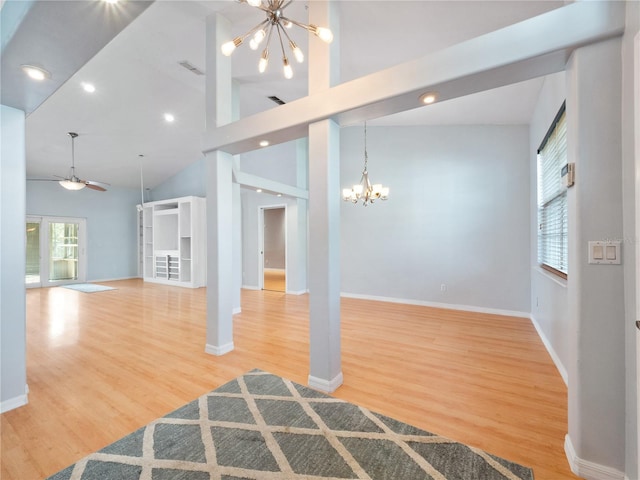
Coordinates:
x,y
443,287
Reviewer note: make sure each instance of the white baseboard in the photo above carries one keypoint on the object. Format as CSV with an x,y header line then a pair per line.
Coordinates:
x,y
554,356
221,350
586,469
111,279
326,385
250,287
236,311
13,403
296,292
450,306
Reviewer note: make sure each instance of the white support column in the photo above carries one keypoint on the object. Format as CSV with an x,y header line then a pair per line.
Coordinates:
x,y
325,368
220,197
13,330
237,245
297,225
324,256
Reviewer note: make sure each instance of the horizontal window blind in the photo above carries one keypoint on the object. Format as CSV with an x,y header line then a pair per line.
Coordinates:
x,y
552,198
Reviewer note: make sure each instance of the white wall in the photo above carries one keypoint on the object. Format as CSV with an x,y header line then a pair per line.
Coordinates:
x,y
549,307
13,355
277,162
596,367
457,215
188,181
111,224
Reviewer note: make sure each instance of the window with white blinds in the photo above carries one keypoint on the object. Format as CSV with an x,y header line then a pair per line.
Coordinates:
x,y
552,198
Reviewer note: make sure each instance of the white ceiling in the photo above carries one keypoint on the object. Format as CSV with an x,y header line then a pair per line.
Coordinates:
x,y
138,78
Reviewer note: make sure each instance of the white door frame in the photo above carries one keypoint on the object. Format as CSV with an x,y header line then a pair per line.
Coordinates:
x,y
636,102
45,221
261,210
41,240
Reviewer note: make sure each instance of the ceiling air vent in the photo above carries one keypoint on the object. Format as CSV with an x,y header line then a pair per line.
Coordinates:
x,y
275,99
190,67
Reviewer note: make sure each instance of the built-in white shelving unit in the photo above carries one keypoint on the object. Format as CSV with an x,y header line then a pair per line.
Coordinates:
x,y
174,242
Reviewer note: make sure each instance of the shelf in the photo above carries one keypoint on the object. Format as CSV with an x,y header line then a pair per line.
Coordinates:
x,y
172,241
173,211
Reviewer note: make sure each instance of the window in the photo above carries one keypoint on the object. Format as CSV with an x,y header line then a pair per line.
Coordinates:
x,y
552,198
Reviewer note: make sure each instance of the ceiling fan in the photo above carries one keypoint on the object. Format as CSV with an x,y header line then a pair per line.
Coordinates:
x,y
72,182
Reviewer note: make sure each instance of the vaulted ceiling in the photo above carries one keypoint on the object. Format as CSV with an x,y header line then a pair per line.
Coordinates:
x,y
138,78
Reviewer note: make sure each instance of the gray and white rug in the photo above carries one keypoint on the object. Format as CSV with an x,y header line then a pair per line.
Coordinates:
x,y
260,426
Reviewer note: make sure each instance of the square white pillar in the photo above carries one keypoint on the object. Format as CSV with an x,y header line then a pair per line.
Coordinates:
x,y
221,281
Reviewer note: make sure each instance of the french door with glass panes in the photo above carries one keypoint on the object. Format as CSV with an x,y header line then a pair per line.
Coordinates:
x,y
56,251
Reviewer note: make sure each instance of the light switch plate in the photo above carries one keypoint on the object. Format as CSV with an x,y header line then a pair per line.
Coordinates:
x,y
604,253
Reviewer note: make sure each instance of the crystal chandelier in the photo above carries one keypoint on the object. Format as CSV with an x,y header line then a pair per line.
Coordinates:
x,y
275,20
364,190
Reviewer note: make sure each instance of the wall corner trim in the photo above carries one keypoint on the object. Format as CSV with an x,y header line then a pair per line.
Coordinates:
x,y
326,385
13,403
586,469
554,356
221,350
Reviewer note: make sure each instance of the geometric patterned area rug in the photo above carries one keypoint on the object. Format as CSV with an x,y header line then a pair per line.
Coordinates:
x,y
88,287
261,426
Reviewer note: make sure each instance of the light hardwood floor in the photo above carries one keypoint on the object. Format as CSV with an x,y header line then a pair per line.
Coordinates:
x,y
101,365
274,280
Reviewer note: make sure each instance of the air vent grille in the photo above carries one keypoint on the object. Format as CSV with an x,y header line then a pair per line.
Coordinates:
x,y
191,68
275,99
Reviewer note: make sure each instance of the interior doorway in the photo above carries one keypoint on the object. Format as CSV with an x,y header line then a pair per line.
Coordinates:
x,y
55,251
273,248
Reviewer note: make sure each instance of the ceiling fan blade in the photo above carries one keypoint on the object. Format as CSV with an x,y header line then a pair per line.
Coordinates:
x,y
95,186
41,180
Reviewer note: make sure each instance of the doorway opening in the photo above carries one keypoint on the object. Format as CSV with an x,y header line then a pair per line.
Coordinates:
x,y
273,248
55,251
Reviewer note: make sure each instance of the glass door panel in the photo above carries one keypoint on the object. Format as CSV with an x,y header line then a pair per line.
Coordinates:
x,y
63,251
32,271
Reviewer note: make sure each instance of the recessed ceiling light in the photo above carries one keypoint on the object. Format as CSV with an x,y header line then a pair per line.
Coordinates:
x,y
279,195
37,73
112,2
428,98
264,143
169,117
259,190
88,87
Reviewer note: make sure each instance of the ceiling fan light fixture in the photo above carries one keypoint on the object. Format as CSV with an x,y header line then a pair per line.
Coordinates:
x,y
71,185
72,182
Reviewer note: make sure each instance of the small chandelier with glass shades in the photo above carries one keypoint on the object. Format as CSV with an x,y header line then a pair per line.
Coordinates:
x,y
364,190
275,21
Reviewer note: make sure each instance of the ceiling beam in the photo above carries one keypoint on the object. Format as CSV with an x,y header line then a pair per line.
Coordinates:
x,y
525,50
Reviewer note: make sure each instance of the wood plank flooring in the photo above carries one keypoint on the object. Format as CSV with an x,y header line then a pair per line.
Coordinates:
x,y
275,280
102,365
